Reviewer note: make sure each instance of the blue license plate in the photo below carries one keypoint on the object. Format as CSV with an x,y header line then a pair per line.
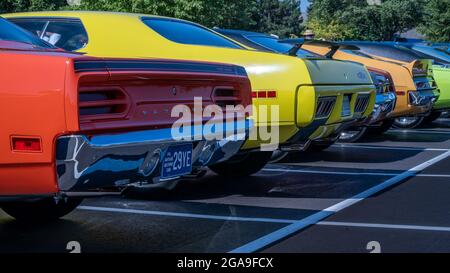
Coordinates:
x,y
177,161
346,111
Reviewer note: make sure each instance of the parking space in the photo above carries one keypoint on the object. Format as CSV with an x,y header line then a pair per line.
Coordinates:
x,y
412,217
392,189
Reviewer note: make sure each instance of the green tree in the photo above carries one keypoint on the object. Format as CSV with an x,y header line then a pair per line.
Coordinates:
x,y
327,18
164,8
356,19
211,13
30,5
437,25
282,18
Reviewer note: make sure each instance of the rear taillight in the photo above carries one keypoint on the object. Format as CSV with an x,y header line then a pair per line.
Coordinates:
x,y
226,96
271,94
101,103
26,144
424,83
382,80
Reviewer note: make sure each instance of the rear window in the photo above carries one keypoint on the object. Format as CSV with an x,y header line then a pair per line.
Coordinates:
x,y
433,53
68,34
390,52
10,32
357,53
187,33
275,45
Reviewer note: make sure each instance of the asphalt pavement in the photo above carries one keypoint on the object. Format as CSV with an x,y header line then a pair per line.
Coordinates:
x,y
389,193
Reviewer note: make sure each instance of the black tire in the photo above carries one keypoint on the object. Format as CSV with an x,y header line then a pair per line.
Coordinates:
x,y
352,135
317,147
242,165
432,117
411,123
277,156
45,210
383,128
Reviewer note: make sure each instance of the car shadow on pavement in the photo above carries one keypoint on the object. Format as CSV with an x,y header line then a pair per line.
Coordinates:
x,y
349,155
274,185
408,136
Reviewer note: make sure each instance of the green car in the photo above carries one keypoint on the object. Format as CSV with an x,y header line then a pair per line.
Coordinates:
x,y
442,77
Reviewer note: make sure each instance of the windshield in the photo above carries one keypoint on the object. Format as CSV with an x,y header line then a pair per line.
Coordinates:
x,y
275,45
11,32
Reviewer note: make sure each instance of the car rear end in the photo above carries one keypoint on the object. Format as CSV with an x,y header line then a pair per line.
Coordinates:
x,y
344,94
421,100
101,125
123,126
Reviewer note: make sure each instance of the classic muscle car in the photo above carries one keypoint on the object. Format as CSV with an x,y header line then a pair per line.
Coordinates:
x,y
314,103
414,84
422,70
441,70
73,126
385,99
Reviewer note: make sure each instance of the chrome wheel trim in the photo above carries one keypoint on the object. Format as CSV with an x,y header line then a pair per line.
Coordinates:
x,y
406,121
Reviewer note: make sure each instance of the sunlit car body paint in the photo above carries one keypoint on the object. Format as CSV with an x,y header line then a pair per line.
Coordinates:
x,y
299,85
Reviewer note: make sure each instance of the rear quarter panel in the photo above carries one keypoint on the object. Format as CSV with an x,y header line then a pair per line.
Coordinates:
x,y
31,105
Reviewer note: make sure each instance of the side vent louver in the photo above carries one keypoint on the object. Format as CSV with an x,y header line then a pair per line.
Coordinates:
x,y
362,103
325,106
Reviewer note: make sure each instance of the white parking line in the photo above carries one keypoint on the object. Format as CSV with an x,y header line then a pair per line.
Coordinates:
x,y
434,175
330,172
351,173
282,233
186,215
421,131
388,148
386,226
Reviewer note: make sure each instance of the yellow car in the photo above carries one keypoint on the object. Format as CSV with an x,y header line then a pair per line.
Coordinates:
x,y
317,98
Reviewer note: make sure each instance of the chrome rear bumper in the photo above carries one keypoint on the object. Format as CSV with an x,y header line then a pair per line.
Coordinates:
x,y
385,104
109,161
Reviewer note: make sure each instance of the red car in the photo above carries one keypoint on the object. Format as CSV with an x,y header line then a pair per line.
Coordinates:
x,y
73,126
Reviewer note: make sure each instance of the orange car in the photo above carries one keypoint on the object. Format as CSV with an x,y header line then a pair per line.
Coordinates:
x,y
414,83
73,126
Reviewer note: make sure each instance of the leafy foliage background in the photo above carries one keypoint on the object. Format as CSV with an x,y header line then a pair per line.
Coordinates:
x,y
329,19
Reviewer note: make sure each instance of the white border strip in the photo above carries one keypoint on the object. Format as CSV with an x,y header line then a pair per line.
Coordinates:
x,y
350,173
329,172
282,233
355,146
186,215
387,226
421,132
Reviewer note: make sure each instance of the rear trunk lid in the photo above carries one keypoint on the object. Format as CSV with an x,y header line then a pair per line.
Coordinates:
x,y
140,94
334,72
